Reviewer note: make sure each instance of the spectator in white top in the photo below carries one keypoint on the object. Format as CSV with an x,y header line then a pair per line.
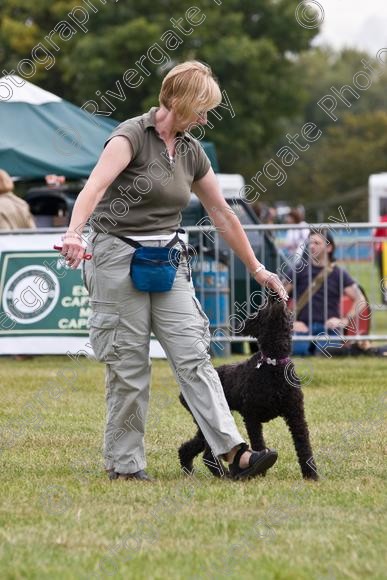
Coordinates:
x,y
296,238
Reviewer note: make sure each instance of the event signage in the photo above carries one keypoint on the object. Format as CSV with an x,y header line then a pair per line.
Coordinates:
x,y
41,295
44,306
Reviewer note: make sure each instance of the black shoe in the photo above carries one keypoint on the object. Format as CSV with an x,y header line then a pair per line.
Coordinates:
x,y
139,475
259,462
142,475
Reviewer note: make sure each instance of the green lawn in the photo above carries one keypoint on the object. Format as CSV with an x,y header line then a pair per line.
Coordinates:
x,y
62,519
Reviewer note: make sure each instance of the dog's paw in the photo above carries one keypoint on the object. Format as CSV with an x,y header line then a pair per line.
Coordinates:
x,y
188,470
311,476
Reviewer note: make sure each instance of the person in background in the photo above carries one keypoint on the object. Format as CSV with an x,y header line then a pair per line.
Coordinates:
x,y
381,233
316,290
14,214
271,215
14,211
296,238
266,215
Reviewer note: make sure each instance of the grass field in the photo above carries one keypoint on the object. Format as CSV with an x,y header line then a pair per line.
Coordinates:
x,y
62,519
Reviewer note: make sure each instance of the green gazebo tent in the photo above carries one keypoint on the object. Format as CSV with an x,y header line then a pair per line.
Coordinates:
x,y
43,134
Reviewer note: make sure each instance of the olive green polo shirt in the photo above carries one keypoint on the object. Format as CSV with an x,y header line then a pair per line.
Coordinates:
x,y
148,196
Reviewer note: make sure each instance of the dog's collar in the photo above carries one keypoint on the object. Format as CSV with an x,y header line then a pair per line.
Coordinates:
x,y
272,361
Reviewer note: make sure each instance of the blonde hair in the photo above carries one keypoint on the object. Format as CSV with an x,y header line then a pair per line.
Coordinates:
x,y
190,88
6,183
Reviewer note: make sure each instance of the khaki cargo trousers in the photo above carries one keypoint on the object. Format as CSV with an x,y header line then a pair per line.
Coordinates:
x,y
120,326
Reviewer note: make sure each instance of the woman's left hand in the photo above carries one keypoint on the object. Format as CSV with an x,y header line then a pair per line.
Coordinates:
x,y
272,281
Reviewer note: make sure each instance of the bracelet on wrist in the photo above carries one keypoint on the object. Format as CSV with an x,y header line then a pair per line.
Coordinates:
x,y
71,235
258,269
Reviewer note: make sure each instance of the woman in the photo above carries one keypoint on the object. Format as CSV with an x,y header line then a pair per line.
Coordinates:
x,y
14,211
142,180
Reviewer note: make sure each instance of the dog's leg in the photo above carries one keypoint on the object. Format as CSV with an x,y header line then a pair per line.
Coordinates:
x,y
299,429
190,449
255,433
214,465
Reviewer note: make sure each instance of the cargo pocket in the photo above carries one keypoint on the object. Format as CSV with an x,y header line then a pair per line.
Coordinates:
x,y
103,331
205,323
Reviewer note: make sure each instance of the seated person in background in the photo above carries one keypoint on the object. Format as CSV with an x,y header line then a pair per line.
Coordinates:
x,y
14,211
14,214
316,286
294,241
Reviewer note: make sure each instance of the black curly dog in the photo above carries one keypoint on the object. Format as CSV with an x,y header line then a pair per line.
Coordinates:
x,y
261,388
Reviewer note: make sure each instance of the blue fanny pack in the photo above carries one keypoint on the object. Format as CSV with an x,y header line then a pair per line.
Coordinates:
x,y
153,269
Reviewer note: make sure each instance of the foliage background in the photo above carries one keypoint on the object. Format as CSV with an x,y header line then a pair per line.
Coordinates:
x,y
262,57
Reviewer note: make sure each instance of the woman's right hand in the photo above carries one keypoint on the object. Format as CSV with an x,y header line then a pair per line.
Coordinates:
x,y
72,249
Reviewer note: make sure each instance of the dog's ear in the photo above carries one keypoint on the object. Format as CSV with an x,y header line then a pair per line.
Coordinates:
x,y
251,325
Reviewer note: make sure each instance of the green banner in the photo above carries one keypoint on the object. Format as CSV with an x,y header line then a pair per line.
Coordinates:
x,y
41,296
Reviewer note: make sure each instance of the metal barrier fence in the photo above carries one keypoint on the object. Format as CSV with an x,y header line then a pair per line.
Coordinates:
x,y
229,294
223,285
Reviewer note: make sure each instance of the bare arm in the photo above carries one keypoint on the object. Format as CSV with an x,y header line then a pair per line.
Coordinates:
x,y
359,302
113,160
228,225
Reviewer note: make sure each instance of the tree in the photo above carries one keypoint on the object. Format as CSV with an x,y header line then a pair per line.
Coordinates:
x,y
348,150
250,44
340,163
